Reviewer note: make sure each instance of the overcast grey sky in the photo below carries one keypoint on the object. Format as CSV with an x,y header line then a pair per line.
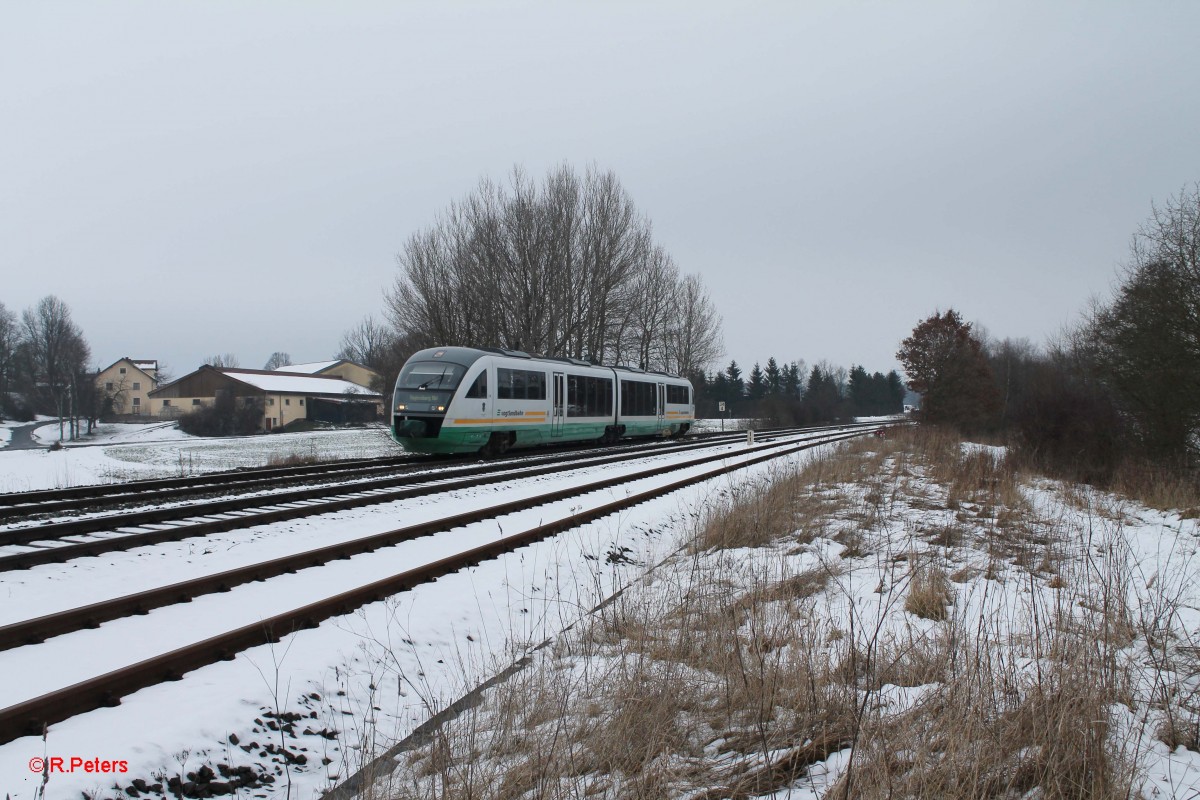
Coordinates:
x,y
200,178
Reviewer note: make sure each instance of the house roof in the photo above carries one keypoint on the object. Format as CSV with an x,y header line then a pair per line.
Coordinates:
x,y
311,368
273,382
296,383
141,364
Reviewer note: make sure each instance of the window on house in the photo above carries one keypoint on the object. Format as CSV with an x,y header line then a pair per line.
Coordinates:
x,y
108,387
270,401
137,401
195,401
301,401
122,370
137,385
166,403
287,401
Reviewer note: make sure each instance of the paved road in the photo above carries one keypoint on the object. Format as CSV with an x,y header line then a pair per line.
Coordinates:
x,y
22,438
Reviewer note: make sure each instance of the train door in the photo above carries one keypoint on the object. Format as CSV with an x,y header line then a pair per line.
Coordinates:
x,y
475,401
662,405
559,411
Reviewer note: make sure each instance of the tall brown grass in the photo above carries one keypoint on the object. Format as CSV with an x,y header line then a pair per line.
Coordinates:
x,y
729,673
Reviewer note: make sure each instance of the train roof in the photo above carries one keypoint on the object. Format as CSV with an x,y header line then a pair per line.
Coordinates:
x,y
466,356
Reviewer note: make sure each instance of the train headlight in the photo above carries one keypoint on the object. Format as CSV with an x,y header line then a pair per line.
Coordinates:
x,y
441,408
400,406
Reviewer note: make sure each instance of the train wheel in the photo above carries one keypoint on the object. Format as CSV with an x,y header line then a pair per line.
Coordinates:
x,y
497,444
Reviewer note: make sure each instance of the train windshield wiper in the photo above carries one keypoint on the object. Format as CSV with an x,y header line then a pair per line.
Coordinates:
x,y
435,381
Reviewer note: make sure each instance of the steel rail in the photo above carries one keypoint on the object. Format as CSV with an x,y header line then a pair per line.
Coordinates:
x,y
238,482
271,508
44,501
33,716
91,616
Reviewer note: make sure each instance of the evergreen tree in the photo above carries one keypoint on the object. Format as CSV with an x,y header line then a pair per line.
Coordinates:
x,y
895,393
791,381
756,388
733,374
858,390
774,376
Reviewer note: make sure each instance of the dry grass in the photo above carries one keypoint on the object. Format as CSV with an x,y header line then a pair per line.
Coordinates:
x,y
966,740
1159,488
797,505
653,690
291,460
733,671
929,594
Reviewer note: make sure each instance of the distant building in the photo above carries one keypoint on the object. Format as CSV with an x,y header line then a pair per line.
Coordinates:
x,y
125,386
286,396
340,368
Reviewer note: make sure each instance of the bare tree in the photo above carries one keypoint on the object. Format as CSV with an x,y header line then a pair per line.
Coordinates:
x,y
9,339
277,360
223,361
567,267
56,356
366,343
694,340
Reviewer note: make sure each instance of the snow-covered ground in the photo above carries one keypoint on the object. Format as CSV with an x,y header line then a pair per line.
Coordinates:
x,y
376,673
120,453
961,628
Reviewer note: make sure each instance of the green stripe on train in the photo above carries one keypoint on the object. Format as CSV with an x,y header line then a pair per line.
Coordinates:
x,y
468,439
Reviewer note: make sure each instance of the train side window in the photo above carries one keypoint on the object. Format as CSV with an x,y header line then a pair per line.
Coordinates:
x,y
678,395
638,399
479,388
506,384
520,384
590,397
536,383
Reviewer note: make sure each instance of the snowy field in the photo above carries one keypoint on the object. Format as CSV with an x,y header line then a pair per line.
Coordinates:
x,y
120,452
357,682
124,452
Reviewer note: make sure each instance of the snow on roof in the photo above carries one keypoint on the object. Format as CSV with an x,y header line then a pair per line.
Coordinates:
x,y
144,363
297,384
311,367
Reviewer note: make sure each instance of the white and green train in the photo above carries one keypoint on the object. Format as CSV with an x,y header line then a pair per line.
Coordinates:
x,y
467,400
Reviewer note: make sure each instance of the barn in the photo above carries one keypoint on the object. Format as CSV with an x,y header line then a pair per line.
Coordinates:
x,y
286,396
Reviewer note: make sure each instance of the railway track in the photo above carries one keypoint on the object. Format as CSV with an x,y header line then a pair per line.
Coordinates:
x,y
18,506
29,545
31,716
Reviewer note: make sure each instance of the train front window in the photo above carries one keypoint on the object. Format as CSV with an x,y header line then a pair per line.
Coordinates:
x,y
427,385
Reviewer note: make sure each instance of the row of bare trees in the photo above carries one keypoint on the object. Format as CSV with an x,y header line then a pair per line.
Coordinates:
x,y
44,364
567,267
